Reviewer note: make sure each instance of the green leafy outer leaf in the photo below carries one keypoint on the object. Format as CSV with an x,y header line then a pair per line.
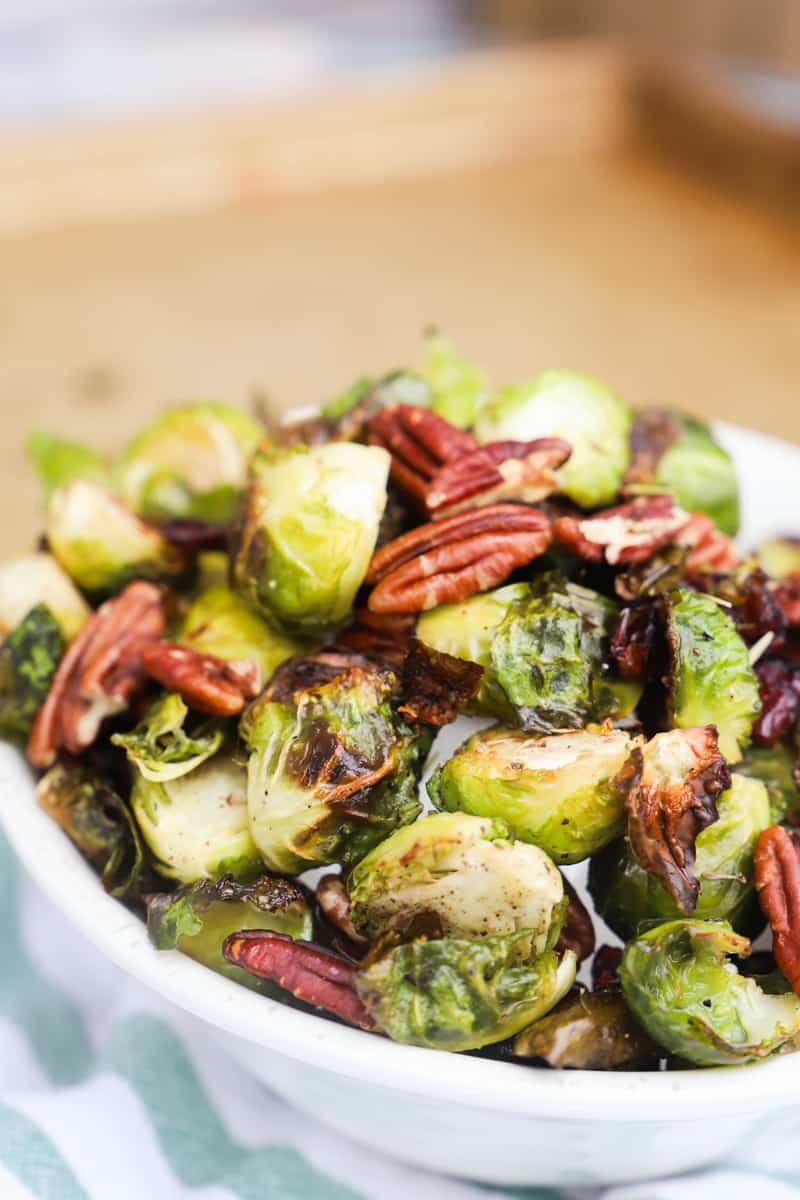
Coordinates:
x,y
466,872
774,766
592,418
630,899
190,463
170,742
682,988
550,657
221,623
712,680
308,533
463,993
101,825
346,401
300,754
58,461
196,920
459,388
558,792
700,475
28,661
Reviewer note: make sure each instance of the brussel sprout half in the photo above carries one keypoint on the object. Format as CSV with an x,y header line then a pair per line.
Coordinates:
x,y
682,987
557,792
190,463
221,623
331,773
780,557
630,899
550,657
169,741
459,387
28,660
197,825
101,544
458,993
38,579
712,681
101,825
308,532
775,767
59,462
587,414
700,475
196,920
464,871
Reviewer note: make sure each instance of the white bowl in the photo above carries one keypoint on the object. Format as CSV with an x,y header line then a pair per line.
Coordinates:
x,y
493,1121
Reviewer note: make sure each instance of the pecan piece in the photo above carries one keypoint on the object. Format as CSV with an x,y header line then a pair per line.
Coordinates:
x,y
779,689
778,887
311,973
448,560
420,442
578,931
436,686
99,674
334,901
629,533
521,471
207,683
668,805
709,548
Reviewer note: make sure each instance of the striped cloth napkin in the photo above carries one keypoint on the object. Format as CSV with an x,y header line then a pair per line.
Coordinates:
x,y
107,1093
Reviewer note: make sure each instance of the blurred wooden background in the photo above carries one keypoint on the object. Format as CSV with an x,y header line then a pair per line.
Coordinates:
x,y
516,200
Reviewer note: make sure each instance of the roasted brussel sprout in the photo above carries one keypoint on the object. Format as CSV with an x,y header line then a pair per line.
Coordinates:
x,y
28,660
38,579
558,792
587,414
775,767
197,825
169,741
589,1031
464,871
780,557
197,919
101,544
630,899
331,773
712,681
308,532
190,463
221,623
688,995
59,462
458,387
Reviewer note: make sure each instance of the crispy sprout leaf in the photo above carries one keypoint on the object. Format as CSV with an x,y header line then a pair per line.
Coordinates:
x,y
170,741
28,661
436,686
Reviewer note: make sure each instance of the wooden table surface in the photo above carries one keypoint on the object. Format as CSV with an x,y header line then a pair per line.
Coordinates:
x,y
616,264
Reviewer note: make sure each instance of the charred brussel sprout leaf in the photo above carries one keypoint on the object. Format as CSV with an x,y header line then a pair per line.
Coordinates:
x,y
331,772
630,899
587,414
170,741
550,657
459,388
58,462
682,987
221,623
101,825
196,920
774,766
466,873
308,531
780,557
590,1031
712,681
700,475
101,544
197,825
463,993
28,661
37,579
557,792
436,686
191,463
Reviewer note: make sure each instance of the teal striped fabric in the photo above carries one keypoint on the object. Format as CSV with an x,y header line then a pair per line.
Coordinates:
x,y
106,1093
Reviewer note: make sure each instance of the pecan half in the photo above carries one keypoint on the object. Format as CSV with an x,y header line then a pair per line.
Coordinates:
x,y
709,548
207,683
654,431
311,973
578,931
448,560
521,471
420,442
666,810
605,968
778,887
334,901
99,674
436,686
629,533
779,689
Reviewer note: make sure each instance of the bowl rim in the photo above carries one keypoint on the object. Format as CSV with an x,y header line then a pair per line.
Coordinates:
x,y
482,1084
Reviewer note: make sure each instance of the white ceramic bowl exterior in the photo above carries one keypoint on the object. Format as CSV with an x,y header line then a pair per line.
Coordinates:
x,y
493,1121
